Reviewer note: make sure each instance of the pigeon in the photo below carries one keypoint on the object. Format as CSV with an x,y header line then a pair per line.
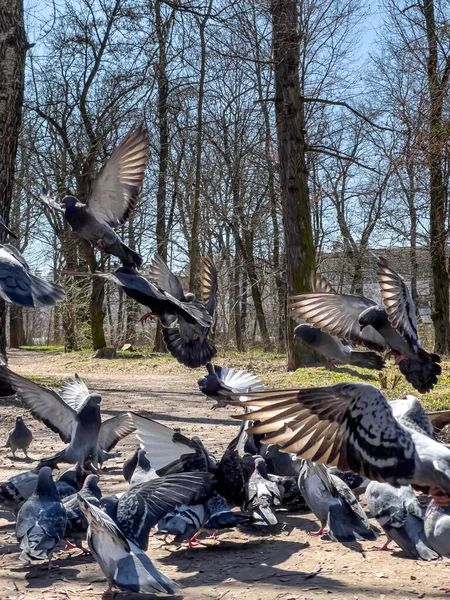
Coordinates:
x,y
399,513
19,438
74,413
188,341
360,320
140,508
124,564
18,488
130,465
221,382
19,286
69,482
113,197
280,463
262,495
355,482
219,516
170,451
333,503
437,528
184,523
41,521
334,350
352,426
77,524
144,471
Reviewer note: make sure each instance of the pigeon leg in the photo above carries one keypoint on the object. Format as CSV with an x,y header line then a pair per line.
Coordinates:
x,y
400,357
192,543
101,245
13,453
331,362
50,566
148,315
382,548
322,531
69,545
445,589
213,536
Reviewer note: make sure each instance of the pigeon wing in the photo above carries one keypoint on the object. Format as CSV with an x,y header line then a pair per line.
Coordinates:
x,y
165,279
116,188
208,284
410,413
74,392
45,404
398,301
51,200
338,314
320,284
115,429
348,425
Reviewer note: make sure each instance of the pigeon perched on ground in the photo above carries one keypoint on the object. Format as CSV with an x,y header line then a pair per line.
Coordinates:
x,y
77,524
221,382
399,513
41,521
334,504
113,197
140,508
219,516
390,327
19,437
437,528
19,285
183,523
144,471
334,350
124,564
188,342
355,482
352,426
69,482
75,415
262,495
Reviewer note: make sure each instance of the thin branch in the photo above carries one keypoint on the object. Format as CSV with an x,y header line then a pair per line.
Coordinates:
x,y
332,153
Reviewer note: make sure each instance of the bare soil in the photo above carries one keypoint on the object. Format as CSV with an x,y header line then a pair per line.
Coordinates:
x,y
285,563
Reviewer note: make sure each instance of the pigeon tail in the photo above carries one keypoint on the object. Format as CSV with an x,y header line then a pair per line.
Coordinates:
x,y
411,539
193,353
226,519
346,526
127,256
366,360
421,372
263,515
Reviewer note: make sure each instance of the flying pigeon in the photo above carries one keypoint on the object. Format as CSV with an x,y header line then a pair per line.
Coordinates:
x,y
221,382
140,508
399,513
390,327
188,342
333,503
334,350
113,197
144,471
77,524
19,437
353,426
75,415
124,564
41,521
18,285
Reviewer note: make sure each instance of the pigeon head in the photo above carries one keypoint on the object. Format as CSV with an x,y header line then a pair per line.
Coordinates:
x,y
143,461
375,316
69,201
19,420
306,333
190,297
91,484
94,399
45,485
109,504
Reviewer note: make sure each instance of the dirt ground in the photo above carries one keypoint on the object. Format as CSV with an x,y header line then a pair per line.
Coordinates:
x,y
283,564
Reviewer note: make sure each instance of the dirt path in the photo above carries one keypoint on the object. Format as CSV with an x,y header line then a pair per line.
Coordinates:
x,y
284,564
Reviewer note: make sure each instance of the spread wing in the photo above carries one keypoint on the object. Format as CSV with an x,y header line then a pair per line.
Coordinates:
x,y
115,429
347,425
410,413
320,284
338,314
165,279
45,404
399,304
51,200
116,188
162,444
208,284
74,392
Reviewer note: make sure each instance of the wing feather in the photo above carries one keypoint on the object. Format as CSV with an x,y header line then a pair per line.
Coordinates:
x,y
208,284
115,429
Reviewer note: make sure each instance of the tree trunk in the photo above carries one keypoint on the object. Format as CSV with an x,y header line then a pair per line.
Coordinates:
x,y
437,87
291,126
13,47
236,304
97,313
16,330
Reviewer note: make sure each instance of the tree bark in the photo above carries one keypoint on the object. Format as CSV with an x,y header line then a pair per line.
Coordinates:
x,y
13,47
291,126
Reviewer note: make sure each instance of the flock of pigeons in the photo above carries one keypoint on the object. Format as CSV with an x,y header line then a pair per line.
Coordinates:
x,y
319,447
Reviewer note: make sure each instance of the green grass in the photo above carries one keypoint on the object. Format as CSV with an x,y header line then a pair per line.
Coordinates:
x,y
43,348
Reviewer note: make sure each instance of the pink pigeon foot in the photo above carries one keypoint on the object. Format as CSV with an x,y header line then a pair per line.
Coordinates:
x,y
69,545
331,362
400,357
322,531
382,548
445,589
101,245
148,315
213,536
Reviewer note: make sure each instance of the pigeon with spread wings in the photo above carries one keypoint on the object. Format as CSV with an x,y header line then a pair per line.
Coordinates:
x,y
222,382
352,426
360,320
113,197
188,342
74,414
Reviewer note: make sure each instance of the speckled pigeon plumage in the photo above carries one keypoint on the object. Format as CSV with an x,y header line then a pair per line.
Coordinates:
x,y
77,524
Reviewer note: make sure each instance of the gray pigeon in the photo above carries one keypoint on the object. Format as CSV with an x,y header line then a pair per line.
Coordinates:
x,y
75,415
220,516
399,513
19,286
41,521
69,482
18,488
113,197
437,528
334,350
19,437
221,382
144,471
183,523
360,320
188,342
352,426
77,524
262,495
334,504
124,564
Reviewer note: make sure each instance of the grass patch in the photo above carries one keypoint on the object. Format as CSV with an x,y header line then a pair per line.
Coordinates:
x,y
43,348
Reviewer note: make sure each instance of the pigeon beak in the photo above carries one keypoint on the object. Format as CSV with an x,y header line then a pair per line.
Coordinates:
x,y
4,228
